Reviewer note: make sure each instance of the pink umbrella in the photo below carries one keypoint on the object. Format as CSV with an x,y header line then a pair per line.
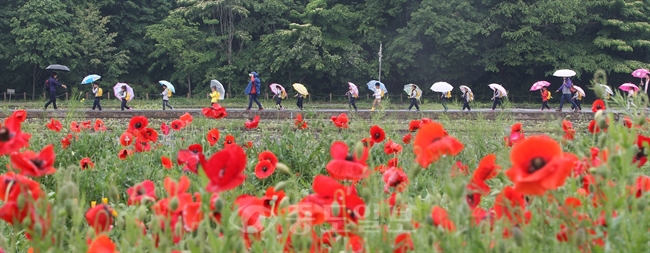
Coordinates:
x,y
628,87
539,85
355,90
640,73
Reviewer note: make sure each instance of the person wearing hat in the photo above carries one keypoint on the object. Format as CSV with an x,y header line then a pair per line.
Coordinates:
x,y
253,90
50,86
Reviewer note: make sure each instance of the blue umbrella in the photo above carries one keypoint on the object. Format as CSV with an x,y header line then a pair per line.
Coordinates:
x,y
90,79
371,86
168,84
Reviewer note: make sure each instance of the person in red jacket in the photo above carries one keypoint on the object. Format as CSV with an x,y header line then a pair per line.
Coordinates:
x,y
546,95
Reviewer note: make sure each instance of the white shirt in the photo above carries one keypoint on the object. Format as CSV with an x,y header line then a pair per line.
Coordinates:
x,y
377,93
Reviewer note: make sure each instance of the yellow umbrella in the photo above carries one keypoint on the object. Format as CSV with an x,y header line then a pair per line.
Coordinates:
x,y
300,89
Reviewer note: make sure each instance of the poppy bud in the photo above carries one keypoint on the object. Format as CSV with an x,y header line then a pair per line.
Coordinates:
x,y
67,191
218,205
501,246
114,194
38,229
429,220
20,201
358,149
280,186
283,168
71,206
602,139
178,228
641,204
284,203
407,226
518,235
142,212
336,208
173,204
120,222
581,236
640,120
28,221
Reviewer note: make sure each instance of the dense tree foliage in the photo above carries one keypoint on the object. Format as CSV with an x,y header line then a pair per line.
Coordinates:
x,y
321,43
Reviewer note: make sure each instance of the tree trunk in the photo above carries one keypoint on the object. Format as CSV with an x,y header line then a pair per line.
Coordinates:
x,y
34,81
189,87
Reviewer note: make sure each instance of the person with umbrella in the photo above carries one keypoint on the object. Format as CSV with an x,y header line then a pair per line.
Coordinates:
x,y
577,97
414,98
125,96
378,94
566,94
546,95
51,85
214,95
252,90
467,96
351,98
443,99
496,97
278,99
166,93
98,92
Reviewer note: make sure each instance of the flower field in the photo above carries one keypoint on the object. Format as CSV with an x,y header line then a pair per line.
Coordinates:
x,y
213,184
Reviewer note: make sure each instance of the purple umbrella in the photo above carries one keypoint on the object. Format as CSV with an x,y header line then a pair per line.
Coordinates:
x,y
539,85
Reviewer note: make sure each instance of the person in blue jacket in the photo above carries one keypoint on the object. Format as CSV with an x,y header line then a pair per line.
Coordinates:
x,y
50,86
252,90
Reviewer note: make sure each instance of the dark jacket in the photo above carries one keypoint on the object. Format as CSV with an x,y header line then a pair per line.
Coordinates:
x,y
250,84
52,84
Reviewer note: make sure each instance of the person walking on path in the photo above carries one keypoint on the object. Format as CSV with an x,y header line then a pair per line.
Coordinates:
x,y
124,96
414,99
378,94
278,99
51,85
214,96
566,94
443,99
165,97
253,90
351,99
98,92
496,97
577,97
546,95
300,99
467,96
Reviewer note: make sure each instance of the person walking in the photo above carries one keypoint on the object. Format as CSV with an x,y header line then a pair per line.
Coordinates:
x,y
214,96
467,96
300,100
577,97
278,99
566,94
414,99
50,85
165,97
377,95
546,95
125,97
443,99
253,90
351,99
496,97
98,92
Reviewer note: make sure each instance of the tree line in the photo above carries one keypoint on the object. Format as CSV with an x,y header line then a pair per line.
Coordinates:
x,y
321,43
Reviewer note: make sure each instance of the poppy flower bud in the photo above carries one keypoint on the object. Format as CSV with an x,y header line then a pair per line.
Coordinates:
x,y
120,222
38,229
429,220
21,201
173,204
336,209
283,168
358,149
142,212
218,205
518,235
581,237
178,227
501,246
28,221
70,206
407,225
602,139
641,204
114,194
280,186
640,120
284,203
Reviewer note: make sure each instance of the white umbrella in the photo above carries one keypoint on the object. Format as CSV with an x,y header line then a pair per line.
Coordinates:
x,y
219,87
564,73
463,87
441,87
497,86
608,89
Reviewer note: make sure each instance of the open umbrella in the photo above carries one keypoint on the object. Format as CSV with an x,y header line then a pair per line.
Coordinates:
x,y
564,73
441,87
628,87
409,87
464,87
168,84
498,87
582,92
118,87
640,73
90,79
276,88
607,89
539,85
58,67
300,89
219,87
371,86
355,90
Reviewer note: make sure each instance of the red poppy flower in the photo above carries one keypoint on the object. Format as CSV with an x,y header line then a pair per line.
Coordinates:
x,y
164,128
367,142
392,148
641,156
225,169
100,218
149,135
271,201
487,169
299,122
264,169
403,243
346,166
124,153
138,123
102,244
511,204
11,137
252,124
395,178
459,169
441,219
20,115
534,170
407,139
641,186
414,125
268,156
432,142
516,135
99,126
35,165
598,105
377,134
192,216
75,127
177,125
187,118
142,145
213,136
54,125
65,142
249,144
230,140
174,188
13,185
166,162
392,162
569,132
126,139
627,122
340,121
85,124
190,157
249,209
216,111
593,127
327,190
86,163
216,213
140,192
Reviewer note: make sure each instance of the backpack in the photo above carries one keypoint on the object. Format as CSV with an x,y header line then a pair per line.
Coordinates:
x,y
548,95
99,93
47,85
471,96
169,93
448,95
